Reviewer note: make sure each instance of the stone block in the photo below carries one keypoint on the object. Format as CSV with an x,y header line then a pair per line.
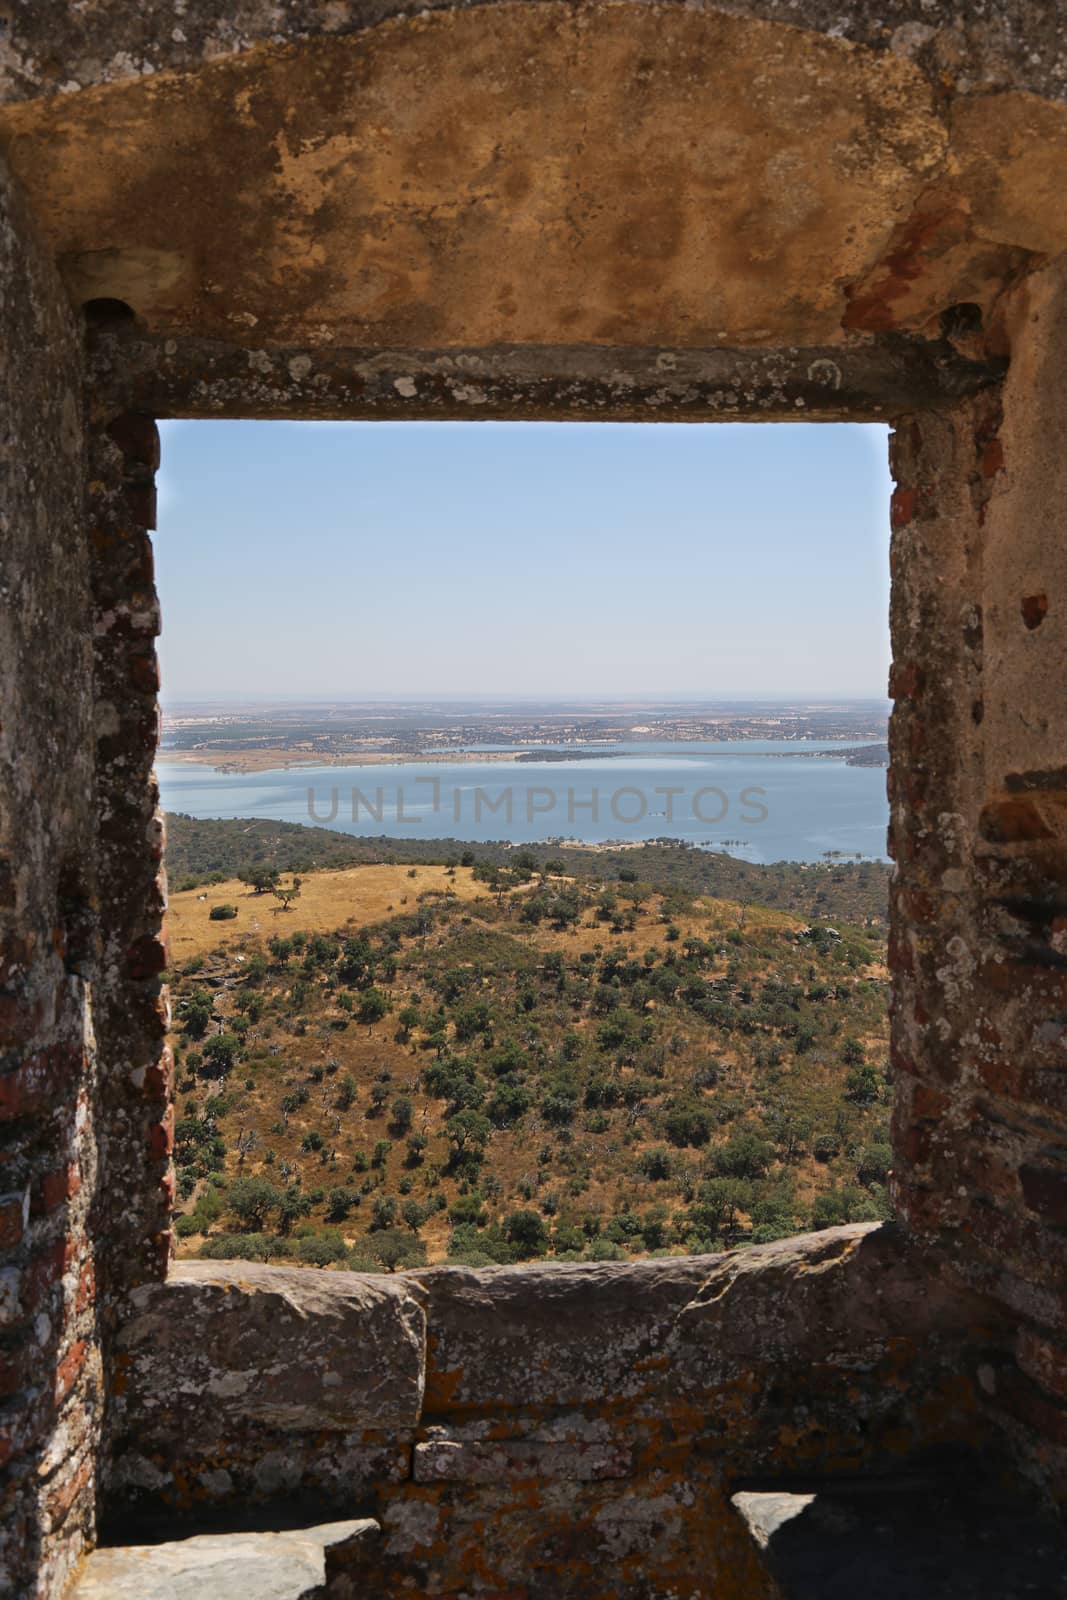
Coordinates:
x,y
222,1346
550,1334
242,1566
458,1460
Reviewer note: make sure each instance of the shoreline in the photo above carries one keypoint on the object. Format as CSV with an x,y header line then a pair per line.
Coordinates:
x,y
278,759
275,760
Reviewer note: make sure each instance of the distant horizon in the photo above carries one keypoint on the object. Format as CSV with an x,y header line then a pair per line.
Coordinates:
x,y
637,700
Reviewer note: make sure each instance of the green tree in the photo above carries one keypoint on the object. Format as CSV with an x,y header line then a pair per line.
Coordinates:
x,y
688,1123
744,1155
252,1200
394,1248
373,1006
656,1164
286,893
198,1011
408,1018
219,1054
320,1249
402,1114
416,1146
467,1130
526,1231
863,1085
339,1203
717,1204
260,878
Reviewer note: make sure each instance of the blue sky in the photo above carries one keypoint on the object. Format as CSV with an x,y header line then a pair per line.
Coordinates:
x,y
362,560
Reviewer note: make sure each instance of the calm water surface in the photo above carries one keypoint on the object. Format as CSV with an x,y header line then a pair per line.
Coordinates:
x,y
758,799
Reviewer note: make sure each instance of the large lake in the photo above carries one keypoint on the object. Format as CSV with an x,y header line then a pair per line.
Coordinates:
x,y
758,799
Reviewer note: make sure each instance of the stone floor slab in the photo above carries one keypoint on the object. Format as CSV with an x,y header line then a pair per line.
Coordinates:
x,y
218,1566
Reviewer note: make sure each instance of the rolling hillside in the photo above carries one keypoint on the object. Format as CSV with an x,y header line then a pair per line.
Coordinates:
x,y
492,1063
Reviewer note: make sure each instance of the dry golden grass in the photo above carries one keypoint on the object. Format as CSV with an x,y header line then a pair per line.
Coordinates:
x,y
348,898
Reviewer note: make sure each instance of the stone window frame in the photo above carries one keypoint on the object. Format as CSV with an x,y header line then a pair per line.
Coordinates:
x,y
911,385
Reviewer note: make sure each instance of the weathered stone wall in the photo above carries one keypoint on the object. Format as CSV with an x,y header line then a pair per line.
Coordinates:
x,y
50,1381
612,178
130,1003
50,48
979,746
547,1430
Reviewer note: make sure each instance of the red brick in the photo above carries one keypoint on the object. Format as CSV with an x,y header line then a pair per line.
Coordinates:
x,y
70,1368
138,438
146,957
1024,979
905,680
56,1188
918,906
157,1078
1034,608
144,674
66,1492
901,1062
902,507
39,1080
913,1145
86,1290
161,1136
44,1273
1014,820
12,1220
1001,1077
928,1102
992,458
28,1089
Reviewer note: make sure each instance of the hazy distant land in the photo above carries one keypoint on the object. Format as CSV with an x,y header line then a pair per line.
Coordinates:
x,y
261,738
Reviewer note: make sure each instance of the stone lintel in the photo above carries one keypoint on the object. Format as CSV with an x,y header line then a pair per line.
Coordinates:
x,y
872,380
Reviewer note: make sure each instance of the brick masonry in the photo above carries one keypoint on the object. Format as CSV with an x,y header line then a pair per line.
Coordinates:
x,y
978,743
50,1360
